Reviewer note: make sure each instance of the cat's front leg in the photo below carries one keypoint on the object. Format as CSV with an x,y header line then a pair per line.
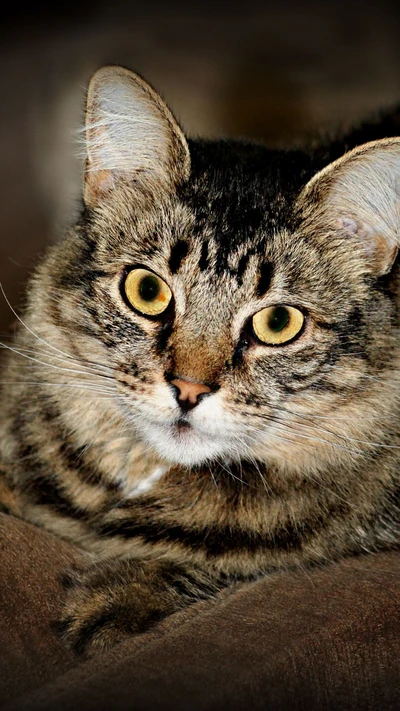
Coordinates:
x,y
113,599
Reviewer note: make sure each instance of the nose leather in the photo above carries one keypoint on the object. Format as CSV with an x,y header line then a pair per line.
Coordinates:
x,y
188,391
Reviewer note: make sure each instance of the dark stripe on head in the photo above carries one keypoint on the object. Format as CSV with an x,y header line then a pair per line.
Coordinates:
x,y
178,253
204,261
242,266
265,276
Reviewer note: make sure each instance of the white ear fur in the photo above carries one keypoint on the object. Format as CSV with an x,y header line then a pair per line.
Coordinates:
x,y
130,133
359,194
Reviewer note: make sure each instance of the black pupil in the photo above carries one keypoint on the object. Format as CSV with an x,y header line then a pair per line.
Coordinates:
x,y
149,288
278,319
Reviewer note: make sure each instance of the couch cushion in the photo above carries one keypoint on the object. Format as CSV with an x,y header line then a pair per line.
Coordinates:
x,y
327,638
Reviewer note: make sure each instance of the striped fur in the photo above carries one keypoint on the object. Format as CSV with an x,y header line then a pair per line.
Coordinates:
x,y
294,457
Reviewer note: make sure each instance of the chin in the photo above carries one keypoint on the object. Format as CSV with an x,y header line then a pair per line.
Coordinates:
x,y
185,446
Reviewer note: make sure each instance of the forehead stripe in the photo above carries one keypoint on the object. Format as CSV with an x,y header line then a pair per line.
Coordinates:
x,y
204,262
265,277
242,266
178,253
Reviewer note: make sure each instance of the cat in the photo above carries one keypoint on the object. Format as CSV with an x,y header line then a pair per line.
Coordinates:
x,y
203,386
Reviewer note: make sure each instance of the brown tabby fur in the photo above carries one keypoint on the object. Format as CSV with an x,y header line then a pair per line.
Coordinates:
x,y
307,433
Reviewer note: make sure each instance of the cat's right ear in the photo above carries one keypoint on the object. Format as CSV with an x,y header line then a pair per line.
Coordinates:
x,y
130,135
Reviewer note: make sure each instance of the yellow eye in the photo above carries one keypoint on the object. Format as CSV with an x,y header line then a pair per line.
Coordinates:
x,y
146,292
277,324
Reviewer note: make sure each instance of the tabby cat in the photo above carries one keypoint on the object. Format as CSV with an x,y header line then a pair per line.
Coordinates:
x,y
204,385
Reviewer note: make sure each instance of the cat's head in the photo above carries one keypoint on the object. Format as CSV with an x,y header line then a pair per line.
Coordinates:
x,y
243,305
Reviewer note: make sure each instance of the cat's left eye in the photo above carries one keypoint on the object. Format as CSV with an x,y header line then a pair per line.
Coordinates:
x,y
146,292
277,325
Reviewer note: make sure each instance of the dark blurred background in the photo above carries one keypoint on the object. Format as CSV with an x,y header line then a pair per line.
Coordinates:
x,y
274,70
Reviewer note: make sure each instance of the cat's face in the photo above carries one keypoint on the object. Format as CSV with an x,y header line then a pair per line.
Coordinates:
x,y
268,401
283,322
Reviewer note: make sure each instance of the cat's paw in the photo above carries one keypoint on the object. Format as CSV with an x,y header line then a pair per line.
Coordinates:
x,y
104,606
112,600
93,618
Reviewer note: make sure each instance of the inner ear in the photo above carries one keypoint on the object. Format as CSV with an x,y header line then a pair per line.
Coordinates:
x,y
359,196
130,135
380,253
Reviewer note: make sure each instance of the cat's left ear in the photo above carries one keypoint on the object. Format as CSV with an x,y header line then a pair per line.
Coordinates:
x,y
359,196
130,135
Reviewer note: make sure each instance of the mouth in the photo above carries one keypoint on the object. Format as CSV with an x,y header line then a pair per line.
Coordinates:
x,y
183,433
182,425
181,442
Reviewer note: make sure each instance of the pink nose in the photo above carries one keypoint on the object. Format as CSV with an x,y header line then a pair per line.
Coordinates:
x,y
189,393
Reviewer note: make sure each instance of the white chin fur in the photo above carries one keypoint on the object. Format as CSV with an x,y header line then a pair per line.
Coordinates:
x,y
187,448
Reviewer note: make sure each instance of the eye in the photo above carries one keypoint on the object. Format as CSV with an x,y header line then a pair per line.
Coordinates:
x,y
277,324
146,292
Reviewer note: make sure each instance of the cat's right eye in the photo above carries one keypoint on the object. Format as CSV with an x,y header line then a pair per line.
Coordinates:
x,y
147,292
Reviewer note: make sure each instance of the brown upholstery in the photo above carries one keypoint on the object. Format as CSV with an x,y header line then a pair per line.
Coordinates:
x,y
317,640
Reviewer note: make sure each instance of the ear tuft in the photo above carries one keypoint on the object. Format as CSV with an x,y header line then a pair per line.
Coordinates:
x,y
359,196
130,135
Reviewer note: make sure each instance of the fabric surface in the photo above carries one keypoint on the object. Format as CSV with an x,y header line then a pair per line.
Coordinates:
x,y
306,640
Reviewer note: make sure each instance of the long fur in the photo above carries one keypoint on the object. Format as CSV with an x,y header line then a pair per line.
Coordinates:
x,y
293,456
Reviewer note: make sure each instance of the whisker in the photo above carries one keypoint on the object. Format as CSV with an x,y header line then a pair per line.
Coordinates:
x,y
78,386
47,365
212,475
231,474
42,340
289,429
75,361
24,352
336,434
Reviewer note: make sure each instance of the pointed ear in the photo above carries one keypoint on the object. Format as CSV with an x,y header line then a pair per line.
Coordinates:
x,y
130,134
359,195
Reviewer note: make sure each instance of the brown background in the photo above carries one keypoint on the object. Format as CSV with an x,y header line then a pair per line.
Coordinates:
x,y
276,70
